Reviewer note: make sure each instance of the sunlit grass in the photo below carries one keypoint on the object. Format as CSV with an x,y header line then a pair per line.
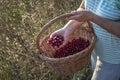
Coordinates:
x,y
20,22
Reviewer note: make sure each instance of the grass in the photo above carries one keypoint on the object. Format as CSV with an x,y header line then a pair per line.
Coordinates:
x,y
20,22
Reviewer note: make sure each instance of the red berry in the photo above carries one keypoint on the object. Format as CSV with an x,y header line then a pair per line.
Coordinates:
x,y
76,45
56,40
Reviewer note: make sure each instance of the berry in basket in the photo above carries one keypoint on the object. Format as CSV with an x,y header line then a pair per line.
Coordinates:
x,y
56,41
75,46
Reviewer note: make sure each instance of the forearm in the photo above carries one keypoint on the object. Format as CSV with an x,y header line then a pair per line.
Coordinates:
x,y
72,24
82,6
75,23
110,26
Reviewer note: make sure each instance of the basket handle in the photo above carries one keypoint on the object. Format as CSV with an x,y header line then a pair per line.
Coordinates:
x,y
53,21
46,26
90,27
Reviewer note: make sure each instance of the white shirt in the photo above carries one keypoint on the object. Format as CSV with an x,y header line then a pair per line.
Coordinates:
x,y
107,45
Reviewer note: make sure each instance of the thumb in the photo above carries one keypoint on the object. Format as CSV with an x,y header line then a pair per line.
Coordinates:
x,y
64,43
66,39
52,34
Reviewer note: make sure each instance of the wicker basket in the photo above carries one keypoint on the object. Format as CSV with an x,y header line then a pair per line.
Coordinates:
x,y
70,64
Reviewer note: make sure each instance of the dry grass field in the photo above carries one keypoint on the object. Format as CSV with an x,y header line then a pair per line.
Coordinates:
x,y
20,22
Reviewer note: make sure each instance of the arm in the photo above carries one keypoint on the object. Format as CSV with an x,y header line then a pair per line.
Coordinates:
x,y
69,27
110,26
85,15
82,6
104,23
75,23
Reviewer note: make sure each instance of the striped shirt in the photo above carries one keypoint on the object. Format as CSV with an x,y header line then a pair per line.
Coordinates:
x,y
107,46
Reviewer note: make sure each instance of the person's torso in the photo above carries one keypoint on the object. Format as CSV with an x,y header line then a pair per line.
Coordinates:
x,y
108,45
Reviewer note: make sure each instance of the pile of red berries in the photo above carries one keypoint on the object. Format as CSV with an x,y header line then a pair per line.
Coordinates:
x,y
75,46
56,41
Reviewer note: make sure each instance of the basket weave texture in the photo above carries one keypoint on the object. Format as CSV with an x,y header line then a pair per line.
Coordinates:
x,y
73,63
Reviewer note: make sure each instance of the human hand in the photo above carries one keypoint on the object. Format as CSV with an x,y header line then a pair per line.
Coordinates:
x,y
65,33
62,33
58,32
82,15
